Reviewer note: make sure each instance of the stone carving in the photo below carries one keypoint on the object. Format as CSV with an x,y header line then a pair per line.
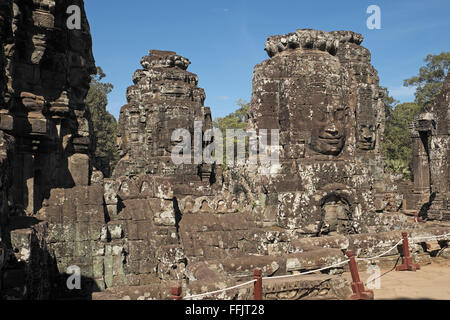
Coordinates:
x,y
336,216
164,97
328,133
320,90
45,131
366,134
155,222
430,137
365,93
311,39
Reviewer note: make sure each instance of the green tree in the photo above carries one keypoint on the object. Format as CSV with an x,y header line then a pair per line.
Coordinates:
x,y
104,123
235,120
430,79
397,141
389,102
397,146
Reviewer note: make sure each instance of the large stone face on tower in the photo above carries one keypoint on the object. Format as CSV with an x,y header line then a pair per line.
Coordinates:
x,y
156,223
320,90
165,97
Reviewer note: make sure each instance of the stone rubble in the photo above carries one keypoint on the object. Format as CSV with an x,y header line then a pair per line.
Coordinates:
x,y
155,224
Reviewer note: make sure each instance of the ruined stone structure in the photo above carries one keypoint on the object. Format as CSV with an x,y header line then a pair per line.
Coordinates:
x,y
155,224
45,126
430,136
164,97
320,90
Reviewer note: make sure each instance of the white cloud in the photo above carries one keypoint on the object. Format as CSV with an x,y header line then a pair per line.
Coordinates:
x,y
221,10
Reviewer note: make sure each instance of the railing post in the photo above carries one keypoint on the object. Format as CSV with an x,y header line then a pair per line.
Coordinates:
x,y
258,295
407,264
359,292
176,293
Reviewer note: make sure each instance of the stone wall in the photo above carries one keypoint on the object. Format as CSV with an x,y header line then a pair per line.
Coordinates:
x,y
430,139
142,198
47,71
155,223
165,97
45,127
177,225
440,146
321,92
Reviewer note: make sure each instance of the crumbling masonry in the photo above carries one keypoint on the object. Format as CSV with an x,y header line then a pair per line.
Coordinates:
x,y
155,224
430,135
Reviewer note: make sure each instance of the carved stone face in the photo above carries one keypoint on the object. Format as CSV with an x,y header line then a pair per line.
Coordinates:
x,y
316,96
120,147
335,217
366,135
328,130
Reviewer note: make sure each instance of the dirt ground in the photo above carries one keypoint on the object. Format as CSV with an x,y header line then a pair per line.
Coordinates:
x,y
431,282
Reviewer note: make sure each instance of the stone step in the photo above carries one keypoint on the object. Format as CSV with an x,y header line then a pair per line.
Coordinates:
x,y
212,236
242,268
369,244
309,287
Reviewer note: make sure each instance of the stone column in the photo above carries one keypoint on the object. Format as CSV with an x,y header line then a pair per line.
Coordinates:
x,y
420,163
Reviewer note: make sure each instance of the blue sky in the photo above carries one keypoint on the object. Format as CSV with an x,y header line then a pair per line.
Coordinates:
x,y
225,39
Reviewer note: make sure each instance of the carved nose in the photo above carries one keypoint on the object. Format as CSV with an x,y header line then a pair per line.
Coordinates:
x,y
332,130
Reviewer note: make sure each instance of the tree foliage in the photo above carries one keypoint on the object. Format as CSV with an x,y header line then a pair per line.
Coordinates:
x,y
430,79
235,120
104,123
389,102
397,141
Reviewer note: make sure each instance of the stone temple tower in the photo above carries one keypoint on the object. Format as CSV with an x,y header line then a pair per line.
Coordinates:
x,y
321,91
165,97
